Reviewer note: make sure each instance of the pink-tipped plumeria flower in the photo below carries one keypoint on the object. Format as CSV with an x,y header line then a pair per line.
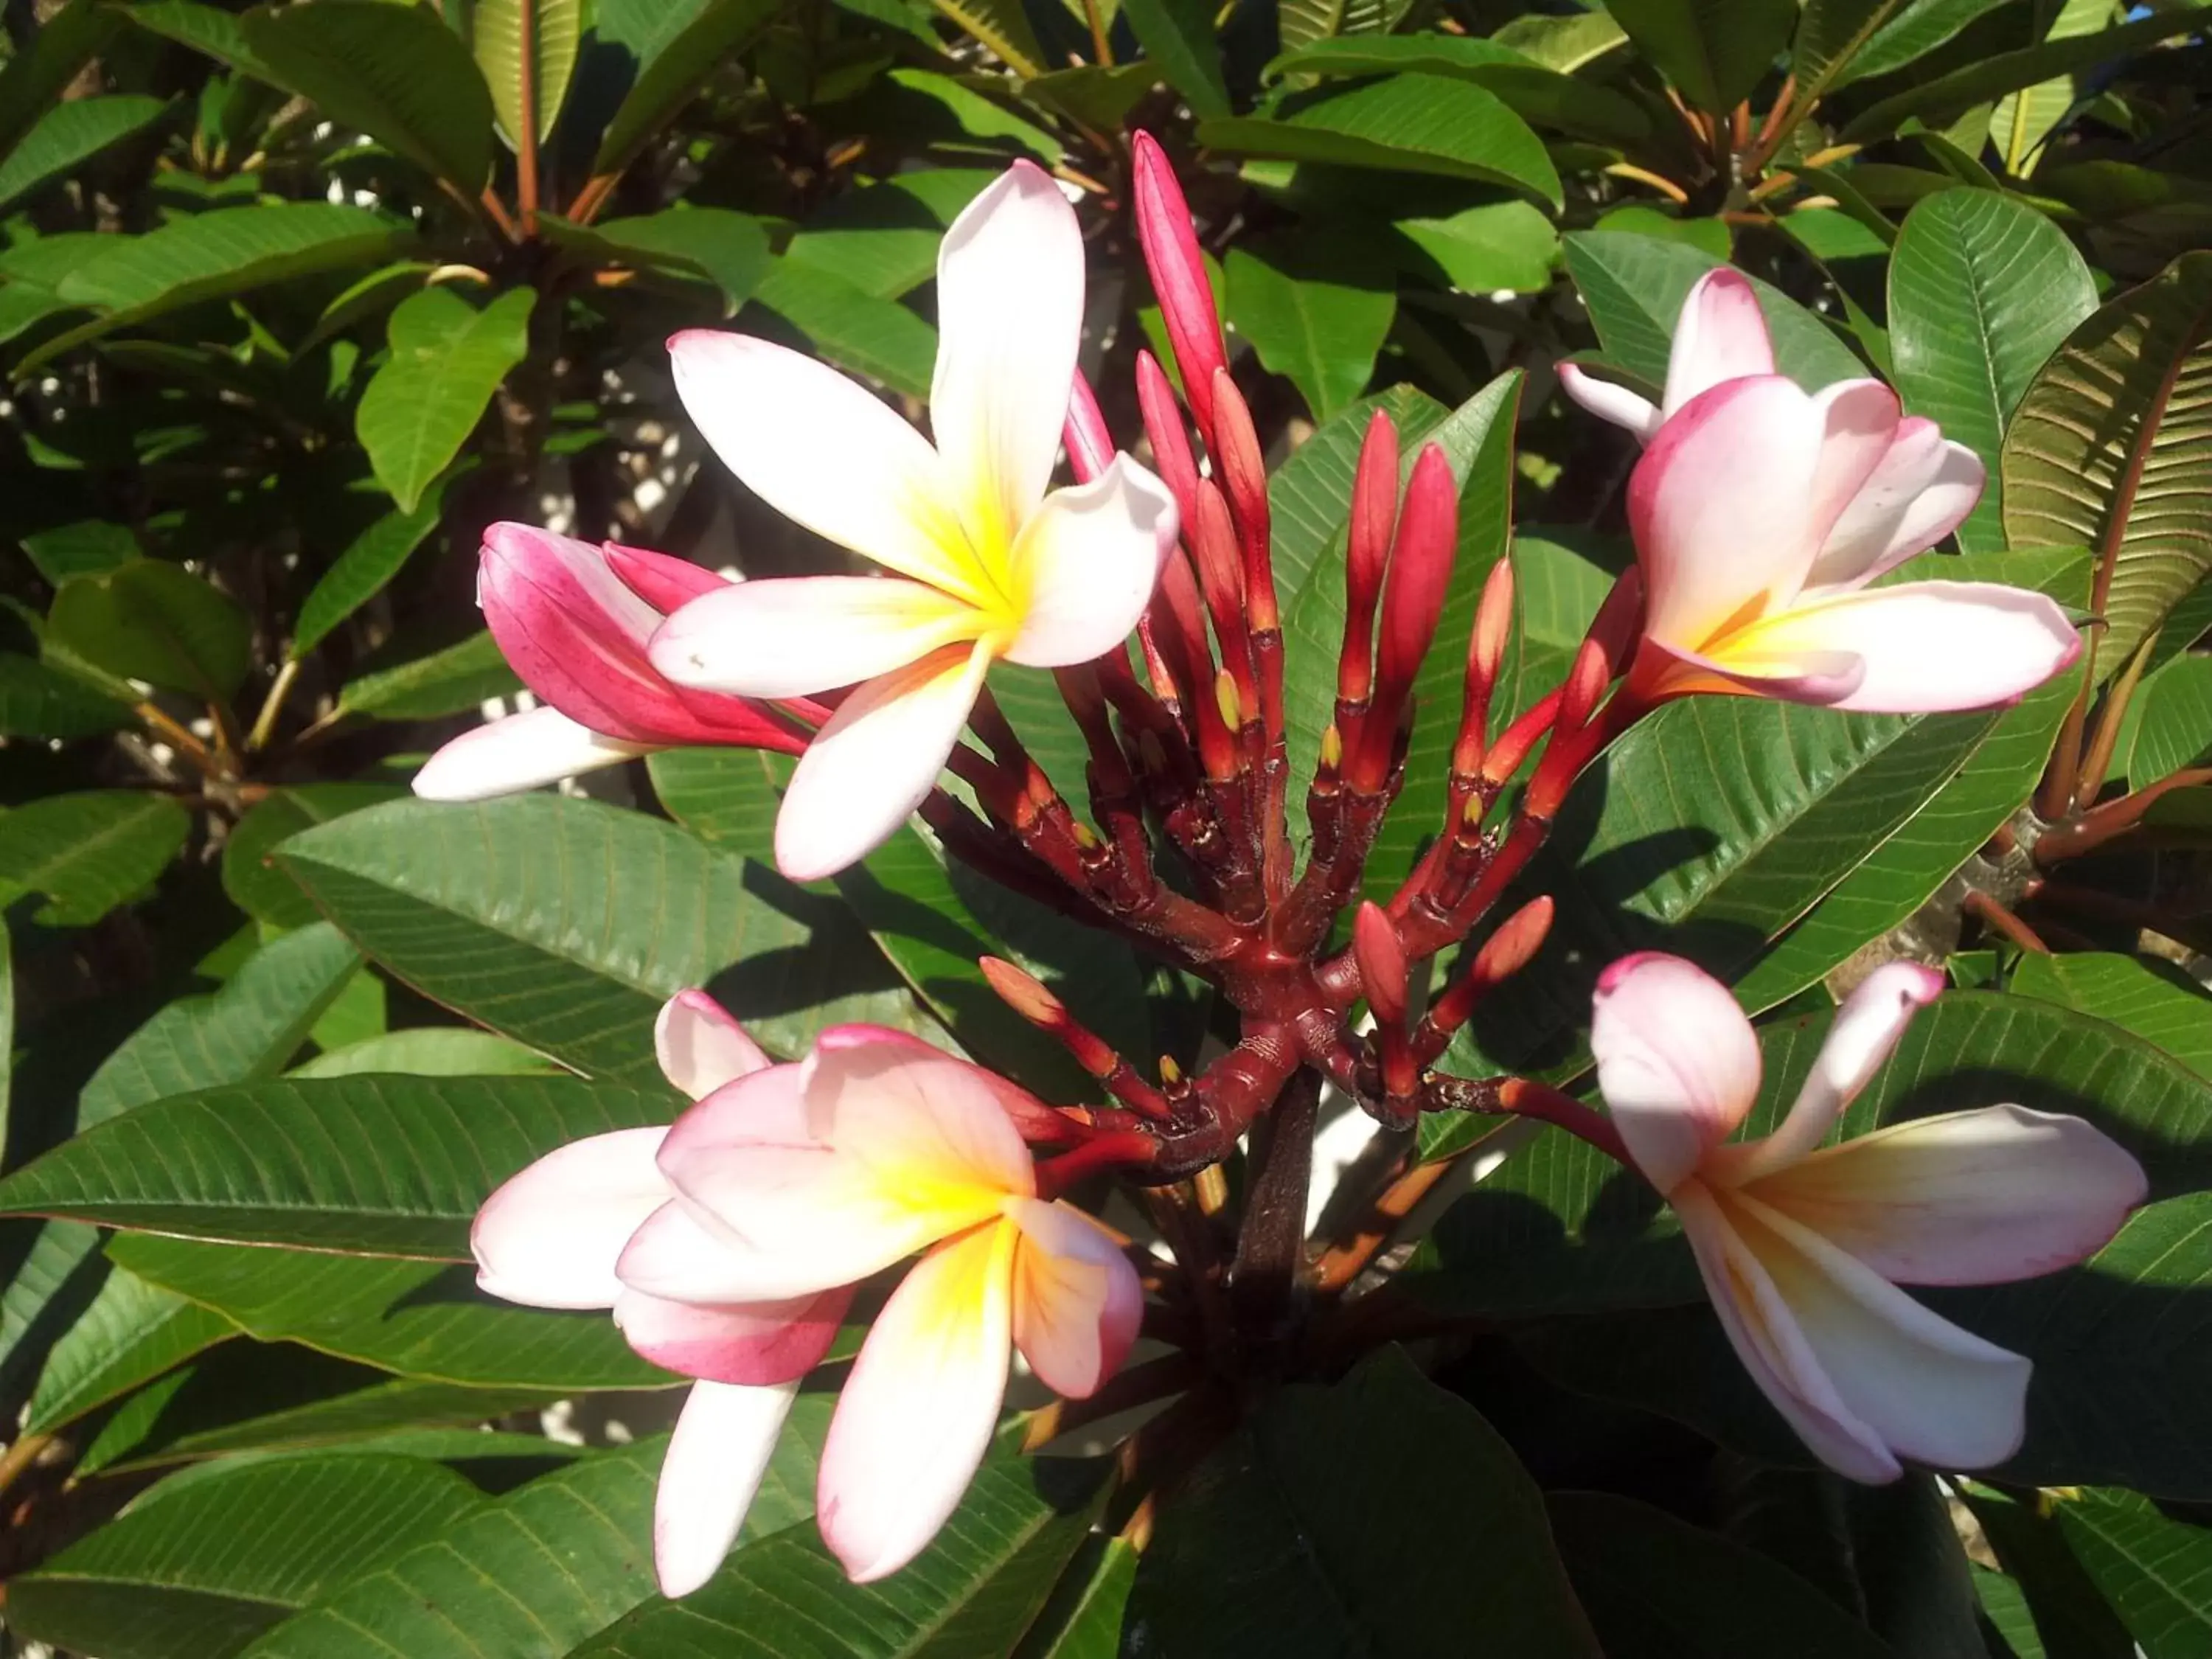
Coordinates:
x,y
1802,1247
573,620
551,1238
988,561
1761,512
800,1178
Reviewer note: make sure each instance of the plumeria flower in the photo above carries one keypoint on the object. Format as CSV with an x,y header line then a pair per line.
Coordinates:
x,y
986,561
551,1237
796,1180
1762,511
1802,1248
573,621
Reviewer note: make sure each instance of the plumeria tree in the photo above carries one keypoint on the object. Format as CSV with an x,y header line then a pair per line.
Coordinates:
x,y
1139,988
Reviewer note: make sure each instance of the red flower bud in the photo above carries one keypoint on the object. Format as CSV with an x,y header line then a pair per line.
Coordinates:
x,y
1243,469
1383,970
1178,272
1367,555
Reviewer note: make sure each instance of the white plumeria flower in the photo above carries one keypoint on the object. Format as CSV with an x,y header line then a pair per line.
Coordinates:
x,y
1801,1248
986,561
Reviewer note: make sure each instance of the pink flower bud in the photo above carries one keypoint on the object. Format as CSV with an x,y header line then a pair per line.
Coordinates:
x,y
1178,272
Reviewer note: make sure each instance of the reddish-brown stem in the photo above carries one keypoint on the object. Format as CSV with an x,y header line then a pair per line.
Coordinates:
x,y
1123,1149
2094,828
1994,915
1525,1098
1030,999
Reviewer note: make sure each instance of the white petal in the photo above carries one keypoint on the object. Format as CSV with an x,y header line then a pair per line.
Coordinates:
x,y
1009,322
1923,490
1090,556
700,1045
1970,1198
1611,401
874,762
713,1469
550,1236
1721,335
916,1417
792,636
1677,1062
820,450
522,751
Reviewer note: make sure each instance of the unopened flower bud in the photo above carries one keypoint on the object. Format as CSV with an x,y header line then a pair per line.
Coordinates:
x,y
1382,957
1367,554
1169,241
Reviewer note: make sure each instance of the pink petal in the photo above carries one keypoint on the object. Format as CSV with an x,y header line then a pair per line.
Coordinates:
x,y
702,1046
1860,1038
916,1415
752,1343
1858,429
712,1470
549,1237
1610,401
1677,1062
1091,555
796,635
1922,491
575,632
1076,1300
522,751
875,761
1763,1329
820,450
1930,1390
1009,319
1970,1198
1721,505
1928,647
666,583
1720,335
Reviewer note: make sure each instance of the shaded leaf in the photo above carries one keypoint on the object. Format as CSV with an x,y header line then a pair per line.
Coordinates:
x,y
89,852
369,563
2169,724
1714,51
1178,35
2151,999
255,883
70,134
39,701
728,249
133,1332
666,80
2157,1572
149,620
1538,94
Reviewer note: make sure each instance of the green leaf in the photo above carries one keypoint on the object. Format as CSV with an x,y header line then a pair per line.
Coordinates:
x,y
725,796
973,1591
1715,52
565,924
1178,35
423,1320
2169,724
1412,123
1831,35
199,1575
70,134
2111,448
666,80
2157,1572
1482,249
132,1332
2071,1619
2023,121
30,272
1002,26
1635,286
1317,311
209,255
1941,101
1085,1619
257,885
452,1596
882,237
2151,999
245,1031
728,249
1912,33
447,360
39,68
376,1165
89,852
428,1051
1657,1588
1539,96
148,620
396,72
91,547
544,33
877,337
1316,1529
430,687
369,563
1982,289
39,701
1565,43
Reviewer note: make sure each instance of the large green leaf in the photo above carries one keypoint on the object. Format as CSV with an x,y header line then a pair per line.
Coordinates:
x,y
151,620
1538,94
2071,1617
714,33
852,328
1084,1620
1635,285
424,1320
565,924
1831,35
1491,246
358,574
428,1051
132,1332
89,852
69,134
377,1165
882,237
1912,31
208,256
2112,449
1657,1588
447,360
1178,35
2153,1000
1714,51
577,1539
396,72
1982,291
2157,1570
250,874
2169,724
1316,314
1320,1527
200,1574
1411,123
1004,27
973,1591
543,34
728,249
